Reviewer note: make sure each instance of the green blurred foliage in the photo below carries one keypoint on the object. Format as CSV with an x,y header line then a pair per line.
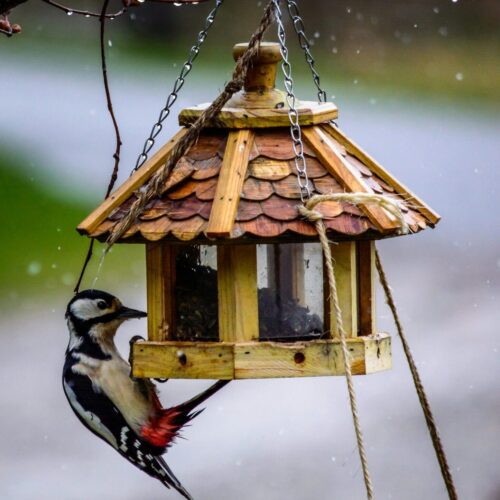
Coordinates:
x,y
443,48
41,252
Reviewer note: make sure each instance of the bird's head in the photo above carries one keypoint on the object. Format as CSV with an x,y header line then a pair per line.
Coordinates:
x,y
98,314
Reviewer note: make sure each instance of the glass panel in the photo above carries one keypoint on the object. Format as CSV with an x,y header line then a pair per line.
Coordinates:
x,y
196,294
290,280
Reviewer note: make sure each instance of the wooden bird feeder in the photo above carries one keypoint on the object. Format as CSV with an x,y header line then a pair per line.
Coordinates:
x,y
235,280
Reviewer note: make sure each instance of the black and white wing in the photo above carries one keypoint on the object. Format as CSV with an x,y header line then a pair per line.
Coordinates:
x,y
98,413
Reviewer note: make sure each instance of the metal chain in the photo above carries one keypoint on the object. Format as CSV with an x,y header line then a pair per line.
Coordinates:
x,y
298,25
293,115
179,83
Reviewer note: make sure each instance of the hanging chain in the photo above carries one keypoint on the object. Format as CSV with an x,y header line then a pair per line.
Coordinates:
x,y
298,25
293,115
179,83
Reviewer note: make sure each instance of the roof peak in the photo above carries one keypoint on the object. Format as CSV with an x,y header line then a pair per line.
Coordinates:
x,y
260,104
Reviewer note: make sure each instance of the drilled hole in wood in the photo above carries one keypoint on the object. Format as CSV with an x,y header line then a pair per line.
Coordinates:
x,y
299,357
181,357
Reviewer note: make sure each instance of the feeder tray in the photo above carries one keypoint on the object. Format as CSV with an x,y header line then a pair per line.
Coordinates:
x,y
235,281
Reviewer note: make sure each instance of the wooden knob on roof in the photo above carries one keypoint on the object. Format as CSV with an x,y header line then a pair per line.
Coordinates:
x,y
262,75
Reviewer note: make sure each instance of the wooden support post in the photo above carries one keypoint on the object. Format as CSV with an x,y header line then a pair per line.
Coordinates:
x,y
344,256
160,275
237,291
366,287
285,265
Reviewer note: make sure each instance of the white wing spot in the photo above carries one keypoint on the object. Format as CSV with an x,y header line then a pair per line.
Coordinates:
x,y
140,458
123,439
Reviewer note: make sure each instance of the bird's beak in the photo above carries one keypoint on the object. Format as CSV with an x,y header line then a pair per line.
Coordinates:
x,y
127,313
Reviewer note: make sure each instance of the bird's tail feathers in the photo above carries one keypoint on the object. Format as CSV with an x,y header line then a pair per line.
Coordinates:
x,y
165,427
167,477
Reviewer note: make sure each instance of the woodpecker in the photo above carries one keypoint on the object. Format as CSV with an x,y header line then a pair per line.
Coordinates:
x,y
123,411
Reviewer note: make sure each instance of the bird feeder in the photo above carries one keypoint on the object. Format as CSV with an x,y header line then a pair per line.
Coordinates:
x,y
235,281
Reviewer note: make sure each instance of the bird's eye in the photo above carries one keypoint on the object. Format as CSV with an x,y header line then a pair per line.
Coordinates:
x,y
102,304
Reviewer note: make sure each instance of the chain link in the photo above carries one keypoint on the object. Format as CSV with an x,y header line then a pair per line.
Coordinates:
x,y
179,83
298,25
293,115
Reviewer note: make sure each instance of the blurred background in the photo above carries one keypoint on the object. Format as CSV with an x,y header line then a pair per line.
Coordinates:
x,y
417,85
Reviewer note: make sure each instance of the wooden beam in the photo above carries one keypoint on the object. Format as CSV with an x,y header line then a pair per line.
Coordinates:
x,y
249,360
275,115
379,170
160,276
337,166
366,287
135,181
207,360
237,293
230,184
344,256
285,267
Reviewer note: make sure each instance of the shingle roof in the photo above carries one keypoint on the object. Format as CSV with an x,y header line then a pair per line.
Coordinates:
x,y
239,182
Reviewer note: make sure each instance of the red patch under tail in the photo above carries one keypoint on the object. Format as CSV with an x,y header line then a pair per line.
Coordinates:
x,y
162,429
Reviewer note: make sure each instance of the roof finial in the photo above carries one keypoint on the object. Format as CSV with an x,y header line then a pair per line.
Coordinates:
x,y
262,76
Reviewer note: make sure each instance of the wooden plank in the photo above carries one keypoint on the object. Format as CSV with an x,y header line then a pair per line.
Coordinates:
x,y
379,170
344,256
310,113
345,174
230,184
193,360
135,181
237,293
203,360
378,353
310,359
160,276
215,360
366,287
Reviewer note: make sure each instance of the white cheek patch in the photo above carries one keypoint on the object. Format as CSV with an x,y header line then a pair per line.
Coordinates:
x,y
87,309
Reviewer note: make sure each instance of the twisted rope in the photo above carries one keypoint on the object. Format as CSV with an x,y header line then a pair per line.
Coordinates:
x,y
388,204
154,186
308,212
422,396
316,217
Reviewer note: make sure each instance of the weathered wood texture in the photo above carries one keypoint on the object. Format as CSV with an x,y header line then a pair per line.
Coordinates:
x,y
183,360
231,179
259,359
214,191
237,293
366,287
335,163
160,277
310,113
345,262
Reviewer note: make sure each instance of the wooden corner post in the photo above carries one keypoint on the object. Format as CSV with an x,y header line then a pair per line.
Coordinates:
x,y
366,287
345,265
160,275
237,292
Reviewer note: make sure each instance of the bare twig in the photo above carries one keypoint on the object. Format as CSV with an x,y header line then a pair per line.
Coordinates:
x,y
85,13
118,141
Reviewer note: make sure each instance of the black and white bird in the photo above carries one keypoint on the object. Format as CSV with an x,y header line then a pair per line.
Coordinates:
x,y
123,411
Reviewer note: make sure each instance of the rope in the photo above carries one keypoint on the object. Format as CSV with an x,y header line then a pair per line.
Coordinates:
x,y
154,186
315,216
422,396
355,199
